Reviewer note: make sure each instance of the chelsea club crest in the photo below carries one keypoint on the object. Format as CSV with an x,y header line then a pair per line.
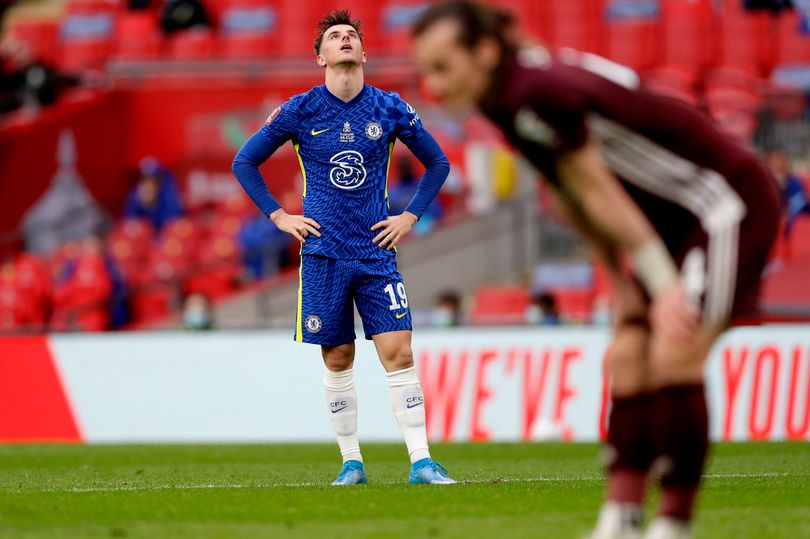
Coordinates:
x,y
313,324
373,130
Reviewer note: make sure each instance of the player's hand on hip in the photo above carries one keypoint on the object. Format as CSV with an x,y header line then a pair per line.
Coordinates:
x,y
296,226
393,229
674,315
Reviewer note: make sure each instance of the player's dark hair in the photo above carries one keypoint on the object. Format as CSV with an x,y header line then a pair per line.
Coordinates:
x,y
338,16
476,21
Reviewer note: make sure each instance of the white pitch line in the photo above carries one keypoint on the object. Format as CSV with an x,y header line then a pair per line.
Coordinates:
x,y
224,486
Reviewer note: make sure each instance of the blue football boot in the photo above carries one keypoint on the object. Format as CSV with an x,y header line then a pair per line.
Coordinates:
x,y
429,472
352,473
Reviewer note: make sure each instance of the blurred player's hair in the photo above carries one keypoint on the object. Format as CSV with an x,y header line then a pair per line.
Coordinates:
x,y
333,18
476,21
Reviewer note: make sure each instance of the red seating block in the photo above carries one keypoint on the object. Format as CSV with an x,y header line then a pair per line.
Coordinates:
x,y
793,47
194,44
40,35
635,44
500,304
138,36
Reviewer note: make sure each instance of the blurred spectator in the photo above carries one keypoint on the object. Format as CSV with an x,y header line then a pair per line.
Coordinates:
x,y
178,15
155,196
265,249
543,311
447,310
26,81
197,313
401,193
139,5
792,188
91,282
770,5
82,290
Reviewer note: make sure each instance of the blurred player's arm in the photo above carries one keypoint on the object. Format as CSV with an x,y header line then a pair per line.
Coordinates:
x,y
437,168
621,224
256,151
564,203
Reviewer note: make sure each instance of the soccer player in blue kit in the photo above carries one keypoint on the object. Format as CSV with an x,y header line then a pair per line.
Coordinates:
x,y
344,133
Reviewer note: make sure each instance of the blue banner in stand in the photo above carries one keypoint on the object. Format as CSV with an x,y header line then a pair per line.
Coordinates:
x,y
616,10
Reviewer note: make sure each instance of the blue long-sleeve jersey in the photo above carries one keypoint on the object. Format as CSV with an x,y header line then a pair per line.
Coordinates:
x,y
344,149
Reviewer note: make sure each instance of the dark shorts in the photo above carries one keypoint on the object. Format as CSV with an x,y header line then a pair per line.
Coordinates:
x,y
329,289
722,260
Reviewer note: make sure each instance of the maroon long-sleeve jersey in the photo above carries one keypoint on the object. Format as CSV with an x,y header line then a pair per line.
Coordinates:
x,y
688,178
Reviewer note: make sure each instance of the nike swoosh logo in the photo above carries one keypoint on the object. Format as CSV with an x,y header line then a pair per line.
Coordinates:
x,y
414,405
339,409
400,315
316,133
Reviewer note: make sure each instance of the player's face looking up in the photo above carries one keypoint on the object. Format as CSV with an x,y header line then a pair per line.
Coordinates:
x,y
456,74
341,46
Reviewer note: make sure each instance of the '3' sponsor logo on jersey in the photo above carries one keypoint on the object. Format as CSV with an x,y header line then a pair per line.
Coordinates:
x,y
349,172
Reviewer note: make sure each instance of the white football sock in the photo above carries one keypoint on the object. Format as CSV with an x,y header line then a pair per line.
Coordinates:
x,y
409,409
341,399
668,528
618,521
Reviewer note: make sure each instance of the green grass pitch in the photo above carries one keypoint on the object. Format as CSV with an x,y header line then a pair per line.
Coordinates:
x,y
754,490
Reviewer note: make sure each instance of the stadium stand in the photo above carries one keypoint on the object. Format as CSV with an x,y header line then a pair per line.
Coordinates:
x,y
690,50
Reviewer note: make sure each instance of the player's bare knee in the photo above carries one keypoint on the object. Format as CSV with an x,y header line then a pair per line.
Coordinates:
x,y
338,358
402,358
398,357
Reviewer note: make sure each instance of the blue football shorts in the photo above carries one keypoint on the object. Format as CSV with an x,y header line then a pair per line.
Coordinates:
x,y
329,288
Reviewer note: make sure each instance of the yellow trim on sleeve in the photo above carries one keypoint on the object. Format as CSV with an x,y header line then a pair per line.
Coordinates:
x,y
303,170
388,169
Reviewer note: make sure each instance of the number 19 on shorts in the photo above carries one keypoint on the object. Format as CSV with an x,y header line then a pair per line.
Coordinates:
x,y
400,302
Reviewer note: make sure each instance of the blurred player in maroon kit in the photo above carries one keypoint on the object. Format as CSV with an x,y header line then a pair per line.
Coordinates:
x,y
646,178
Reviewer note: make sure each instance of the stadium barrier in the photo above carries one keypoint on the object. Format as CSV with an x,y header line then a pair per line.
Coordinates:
x,y
499,384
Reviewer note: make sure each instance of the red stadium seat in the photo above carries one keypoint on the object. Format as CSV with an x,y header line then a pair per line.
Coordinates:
x,y
84,53
40,35
395,19
239,206
153,301
248,46
737,78
250,29
219,268
500,304
19,309
793,47
172,260
194,44
136,233
94,6
689,39
87,34
635,44
184,229
577,24
744,38
34,282
81,302
228,227
138,36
